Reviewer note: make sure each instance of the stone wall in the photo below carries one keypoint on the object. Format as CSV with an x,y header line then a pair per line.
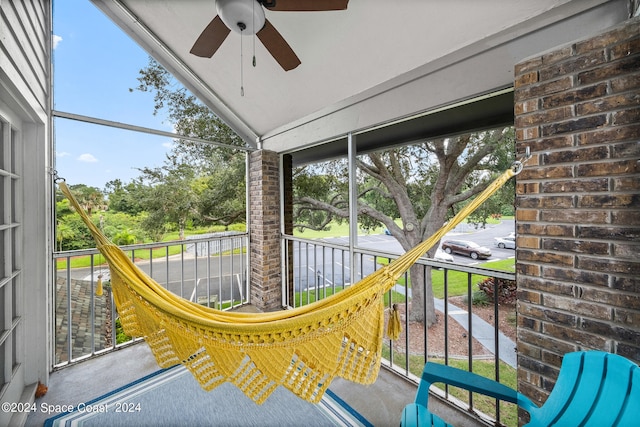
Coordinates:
x,y
578,203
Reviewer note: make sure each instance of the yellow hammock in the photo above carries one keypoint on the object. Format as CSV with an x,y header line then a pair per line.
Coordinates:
x,y
302,349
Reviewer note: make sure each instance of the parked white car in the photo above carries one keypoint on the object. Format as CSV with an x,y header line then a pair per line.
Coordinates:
x,y
442,256
508,242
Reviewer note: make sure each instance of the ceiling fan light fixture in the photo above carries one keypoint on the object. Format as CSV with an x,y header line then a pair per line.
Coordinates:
x,y
243,17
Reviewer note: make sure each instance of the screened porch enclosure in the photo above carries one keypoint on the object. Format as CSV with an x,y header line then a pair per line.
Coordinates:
x,y
563,72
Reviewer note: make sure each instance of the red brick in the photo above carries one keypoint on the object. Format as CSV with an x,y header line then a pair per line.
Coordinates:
x,y
548,143
571,97
629,350
576,276
548,172
528,296
581,336
611,298
526,215
577,125
527,106
574,64
544,116
626,117
576,307
575,186
561,84
609,201
574,216
610,330
528,242
576,155
556,56
527,66
527,133
527,350
546,229
628,217
613,69
609,103
526,79
608,168
625,83
625,49
624,232
615,36
528,269
628,317
545,257
609,134
626,250
626,183
611,265
527,187
576,246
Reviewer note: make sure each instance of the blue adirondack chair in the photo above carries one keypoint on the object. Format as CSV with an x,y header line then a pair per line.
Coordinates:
x,y
594,388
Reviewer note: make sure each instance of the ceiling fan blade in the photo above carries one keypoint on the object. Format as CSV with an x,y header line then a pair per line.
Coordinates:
x,y
305,5
278,46
211,38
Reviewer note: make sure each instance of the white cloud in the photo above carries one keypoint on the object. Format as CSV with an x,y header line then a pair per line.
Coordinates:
x,y
62,154
88,158
168,144
56,40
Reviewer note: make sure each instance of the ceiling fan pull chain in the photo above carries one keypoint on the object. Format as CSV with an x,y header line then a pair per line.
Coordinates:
x,y
242,27
253,26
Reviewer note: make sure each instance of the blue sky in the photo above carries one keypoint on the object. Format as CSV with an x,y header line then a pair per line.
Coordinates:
x,y
95,65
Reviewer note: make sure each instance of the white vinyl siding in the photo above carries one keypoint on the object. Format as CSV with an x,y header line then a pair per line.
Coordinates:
x,y
25,200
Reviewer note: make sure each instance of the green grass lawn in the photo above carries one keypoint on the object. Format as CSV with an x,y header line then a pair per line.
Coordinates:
x,y
342,230
457,284
144,254
334,230
485,368
457,281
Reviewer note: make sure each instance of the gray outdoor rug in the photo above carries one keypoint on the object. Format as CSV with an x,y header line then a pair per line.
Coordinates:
x,y
172,397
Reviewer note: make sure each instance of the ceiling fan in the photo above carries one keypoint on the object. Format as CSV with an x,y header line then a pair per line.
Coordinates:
x,y
247,17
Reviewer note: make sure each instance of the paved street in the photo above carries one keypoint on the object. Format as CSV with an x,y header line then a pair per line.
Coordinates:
x,y
327,267
313,267
483,237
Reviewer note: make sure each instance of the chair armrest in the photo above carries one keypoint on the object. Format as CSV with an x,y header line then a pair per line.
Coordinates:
x,y
437,373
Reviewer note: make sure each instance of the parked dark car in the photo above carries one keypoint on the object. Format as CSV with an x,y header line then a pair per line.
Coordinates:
x,y
467,248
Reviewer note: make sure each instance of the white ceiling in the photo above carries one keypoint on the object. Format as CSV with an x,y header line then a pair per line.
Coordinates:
x,y
373,64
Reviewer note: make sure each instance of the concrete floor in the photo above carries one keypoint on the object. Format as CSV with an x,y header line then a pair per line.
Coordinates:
x,y
380,403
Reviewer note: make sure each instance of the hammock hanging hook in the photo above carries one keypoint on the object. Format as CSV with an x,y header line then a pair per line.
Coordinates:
x,y
56,178
518,165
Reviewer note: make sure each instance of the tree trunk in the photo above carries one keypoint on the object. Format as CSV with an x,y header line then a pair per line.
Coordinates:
x,y
422,304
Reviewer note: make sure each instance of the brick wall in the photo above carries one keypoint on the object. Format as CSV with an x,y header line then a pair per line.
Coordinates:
x,y
264,230
578,203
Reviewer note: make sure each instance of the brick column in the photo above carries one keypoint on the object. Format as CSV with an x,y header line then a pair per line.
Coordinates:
x,y
578,204
264,230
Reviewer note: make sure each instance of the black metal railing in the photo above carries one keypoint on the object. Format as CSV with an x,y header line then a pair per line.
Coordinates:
x,y
475,325
210,270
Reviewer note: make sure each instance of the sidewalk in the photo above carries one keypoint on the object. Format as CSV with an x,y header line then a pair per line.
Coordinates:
x,y
482,331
